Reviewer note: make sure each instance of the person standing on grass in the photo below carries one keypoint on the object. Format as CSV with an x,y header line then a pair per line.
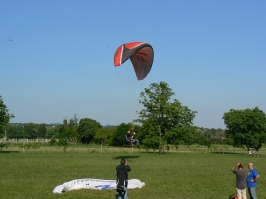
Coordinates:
x,y
252,178
253,152
240,180
122,178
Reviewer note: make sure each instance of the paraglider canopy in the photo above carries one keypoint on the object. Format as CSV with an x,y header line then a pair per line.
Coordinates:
x,y
141,55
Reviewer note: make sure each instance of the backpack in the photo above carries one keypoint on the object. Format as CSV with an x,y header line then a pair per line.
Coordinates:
x,y
122,177
121,185
233,196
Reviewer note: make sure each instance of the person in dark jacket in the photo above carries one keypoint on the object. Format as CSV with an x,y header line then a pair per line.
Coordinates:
x,y
122,178
240,180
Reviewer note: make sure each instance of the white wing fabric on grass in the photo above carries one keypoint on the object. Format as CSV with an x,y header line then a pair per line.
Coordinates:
x,y
90,183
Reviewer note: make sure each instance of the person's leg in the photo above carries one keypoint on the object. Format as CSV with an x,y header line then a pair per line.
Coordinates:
x,y
119,195
125,194
243,193
238,193
252,192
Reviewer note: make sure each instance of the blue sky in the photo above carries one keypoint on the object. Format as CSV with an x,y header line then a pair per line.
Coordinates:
x,y
60,60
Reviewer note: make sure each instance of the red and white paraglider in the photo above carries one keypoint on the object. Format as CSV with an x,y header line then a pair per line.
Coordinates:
x,y
140,54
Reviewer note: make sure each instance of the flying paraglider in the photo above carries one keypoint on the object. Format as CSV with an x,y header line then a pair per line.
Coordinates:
x,y
141,55
131,137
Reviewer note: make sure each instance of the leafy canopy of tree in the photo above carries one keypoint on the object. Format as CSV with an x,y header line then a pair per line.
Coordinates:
x,y
42,131
164,120
87,129
104,135
68,129
31,130
5,116
207,137
246,128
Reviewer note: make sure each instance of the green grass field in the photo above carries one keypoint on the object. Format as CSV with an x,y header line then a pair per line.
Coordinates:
x,y
181,174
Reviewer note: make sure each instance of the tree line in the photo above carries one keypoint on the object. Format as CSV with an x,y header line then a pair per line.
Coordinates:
x,y
88,130
162,122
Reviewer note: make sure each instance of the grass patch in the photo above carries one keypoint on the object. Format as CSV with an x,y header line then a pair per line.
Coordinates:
x,y
194,175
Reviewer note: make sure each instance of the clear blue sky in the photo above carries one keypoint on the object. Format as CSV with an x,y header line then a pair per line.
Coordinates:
x,y
60,60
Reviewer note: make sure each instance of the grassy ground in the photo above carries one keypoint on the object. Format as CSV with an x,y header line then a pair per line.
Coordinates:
x,y
183,174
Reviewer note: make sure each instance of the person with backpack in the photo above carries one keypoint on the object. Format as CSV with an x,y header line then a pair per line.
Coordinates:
x,y
122,179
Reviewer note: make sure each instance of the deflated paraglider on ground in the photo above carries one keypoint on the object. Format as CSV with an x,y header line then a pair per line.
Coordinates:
x,y
99,184
141,55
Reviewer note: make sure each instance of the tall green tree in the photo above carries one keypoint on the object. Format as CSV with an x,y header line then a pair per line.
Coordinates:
x,y
164,120
246,128
5,116
87,129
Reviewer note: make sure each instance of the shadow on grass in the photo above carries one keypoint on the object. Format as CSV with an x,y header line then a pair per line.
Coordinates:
x,y
9,151
218,152
221,152
126,157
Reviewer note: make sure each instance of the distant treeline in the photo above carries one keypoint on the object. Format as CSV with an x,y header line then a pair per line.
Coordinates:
x,y
88,130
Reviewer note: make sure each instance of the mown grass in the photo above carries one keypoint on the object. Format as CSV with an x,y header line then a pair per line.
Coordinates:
x,y
175,175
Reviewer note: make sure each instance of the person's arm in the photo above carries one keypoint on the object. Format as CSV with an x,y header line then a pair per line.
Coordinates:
x,y
127,167
256,177
233,168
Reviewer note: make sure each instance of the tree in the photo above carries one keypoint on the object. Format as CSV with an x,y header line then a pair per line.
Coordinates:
x,y
68,129
5,116
52,131
104,135
42,131
164,121
60,144
16,130
246,128
73,121
120,133
3,145
31,130
87,129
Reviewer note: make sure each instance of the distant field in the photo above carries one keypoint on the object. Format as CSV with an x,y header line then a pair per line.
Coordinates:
x,y
186,173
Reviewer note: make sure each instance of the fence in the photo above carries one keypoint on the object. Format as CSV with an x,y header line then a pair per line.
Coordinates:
x,y
14,140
